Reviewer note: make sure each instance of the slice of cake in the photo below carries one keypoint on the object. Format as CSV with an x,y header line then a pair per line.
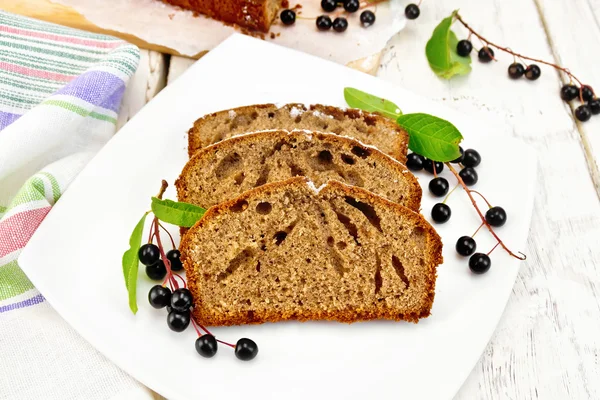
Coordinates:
x,y
369,128
287,251
227,169
253,14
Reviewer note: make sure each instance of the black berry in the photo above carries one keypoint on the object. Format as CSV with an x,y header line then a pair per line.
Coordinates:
x,y
149,254
340,24
324,23
328,5
206,346
471,158
178,320
587,93
429,165
516,70
181,300
533,72
480,263
569,92
174,257
464,48
412,11
459,159
440,213
367,18
594,106
159,296
465,246
438,186
351,5
496,216
486,54
156,271
469,176
583,113
246,349
288,17
415,162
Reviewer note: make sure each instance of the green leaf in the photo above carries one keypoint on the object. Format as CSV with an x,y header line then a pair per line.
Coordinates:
x,y
177,213
431,137
441,51
367,102
131,261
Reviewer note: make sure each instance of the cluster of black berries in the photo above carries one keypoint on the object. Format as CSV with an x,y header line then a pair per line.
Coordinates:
x,y
179,303
438,186
479,263
486,54
591,104
149,255
339,24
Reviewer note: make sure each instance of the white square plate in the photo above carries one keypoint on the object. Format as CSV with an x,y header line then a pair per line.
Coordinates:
x,y
74,258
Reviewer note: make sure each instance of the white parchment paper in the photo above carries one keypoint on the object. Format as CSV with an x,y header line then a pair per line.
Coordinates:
x,y
162,24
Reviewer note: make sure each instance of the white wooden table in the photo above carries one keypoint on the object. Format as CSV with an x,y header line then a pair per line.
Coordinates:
x,y
547,345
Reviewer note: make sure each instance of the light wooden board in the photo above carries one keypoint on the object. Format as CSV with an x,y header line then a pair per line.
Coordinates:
x,y
547,345
63,15
149,79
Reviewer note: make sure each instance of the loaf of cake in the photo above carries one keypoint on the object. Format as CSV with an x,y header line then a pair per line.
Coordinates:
x,y
253,14
227,169
369,128
287,251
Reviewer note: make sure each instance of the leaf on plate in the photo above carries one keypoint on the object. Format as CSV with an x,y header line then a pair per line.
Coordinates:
x,y
131,261
441,51
367,102
431,137
177,213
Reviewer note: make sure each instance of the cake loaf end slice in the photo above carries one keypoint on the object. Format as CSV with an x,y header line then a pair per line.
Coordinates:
x,y
253,14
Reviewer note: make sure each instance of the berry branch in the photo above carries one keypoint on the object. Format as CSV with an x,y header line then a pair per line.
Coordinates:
x,y
521,56
478,229
483,220
156,225
179,300
482,196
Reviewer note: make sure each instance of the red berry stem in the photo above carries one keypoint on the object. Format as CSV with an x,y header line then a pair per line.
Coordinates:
x,y
168,233
156,224
176,275
198,325
473,235
509,51
493,248
163,255
449,193
482,196
522,256
151,233
228,344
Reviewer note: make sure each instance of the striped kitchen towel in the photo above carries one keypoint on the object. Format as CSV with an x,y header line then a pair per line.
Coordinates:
x,y
60,90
